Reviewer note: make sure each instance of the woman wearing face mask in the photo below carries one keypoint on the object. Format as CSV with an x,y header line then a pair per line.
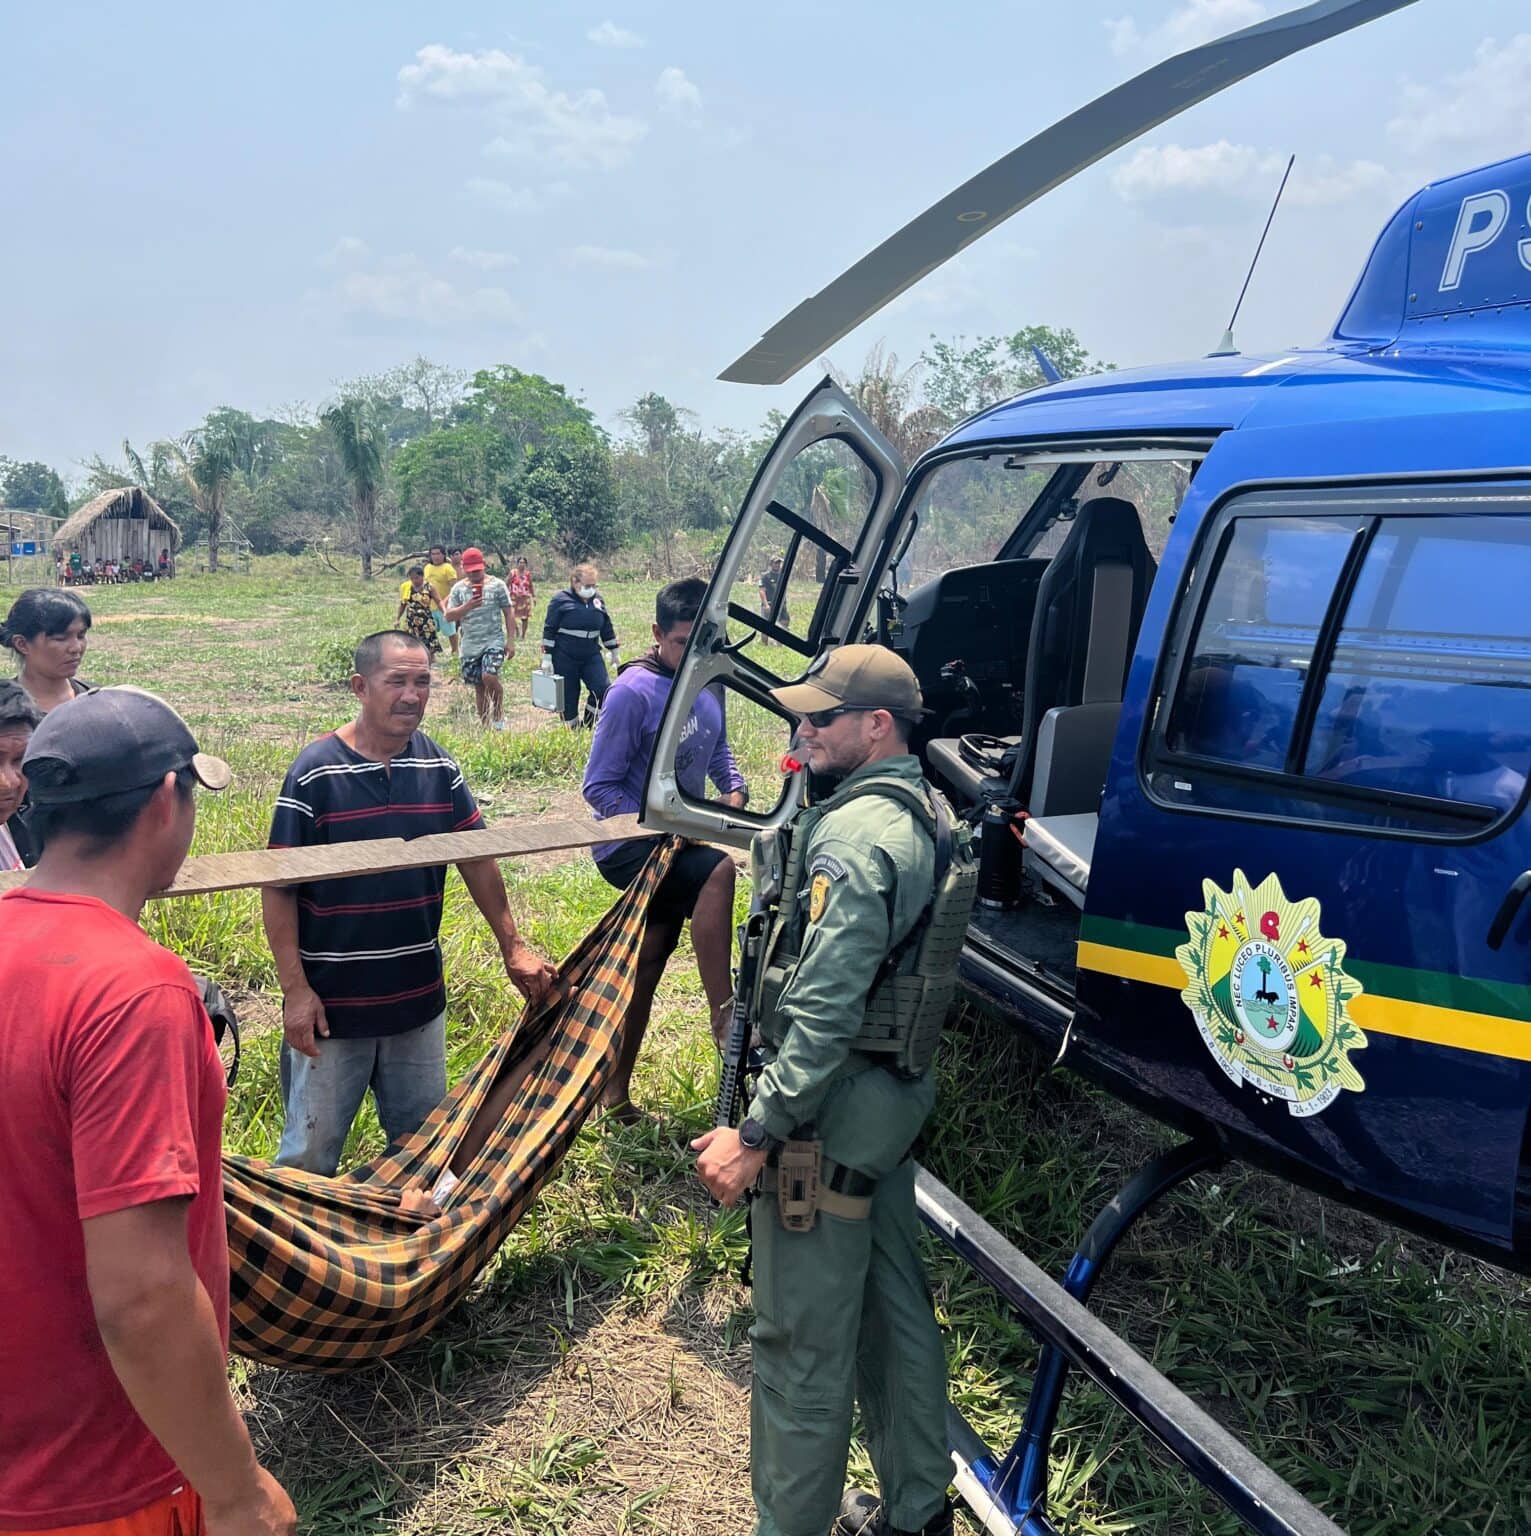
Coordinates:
x,y
19,717
576,629
47,629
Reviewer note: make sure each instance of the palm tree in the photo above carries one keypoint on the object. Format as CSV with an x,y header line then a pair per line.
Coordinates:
x,y
206,461
359,440
887,396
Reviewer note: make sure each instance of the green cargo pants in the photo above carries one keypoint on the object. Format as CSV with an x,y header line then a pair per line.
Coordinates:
x,y
842,1313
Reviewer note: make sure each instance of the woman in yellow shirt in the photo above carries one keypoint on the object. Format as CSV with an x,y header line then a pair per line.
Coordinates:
x,y
441,575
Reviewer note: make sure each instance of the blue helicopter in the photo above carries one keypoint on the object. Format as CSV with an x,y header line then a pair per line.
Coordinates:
x,y
1231,662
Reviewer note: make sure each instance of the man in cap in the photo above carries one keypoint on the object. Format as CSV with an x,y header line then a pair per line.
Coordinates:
x,y
479,605
114,1285
841,1309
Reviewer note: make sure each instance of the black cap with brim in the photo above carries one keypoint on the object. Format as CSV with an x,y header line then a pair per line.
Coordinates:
x,y
109,741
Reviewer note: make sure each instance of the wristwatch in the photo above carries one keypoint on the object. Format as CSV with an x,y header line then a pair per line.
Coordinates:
x,y
753,1134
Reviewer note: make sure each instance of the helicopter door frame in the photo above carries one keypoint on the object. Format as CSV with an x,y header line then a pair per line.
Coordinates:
x,y
711,657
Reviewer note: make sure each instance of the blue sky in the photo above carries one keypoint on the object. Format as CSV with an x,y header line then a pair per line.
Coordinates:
x,y
246,205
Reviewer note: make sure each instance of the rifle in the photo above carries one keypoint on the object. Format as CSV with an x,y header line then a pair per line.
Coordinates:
x,y
741,1026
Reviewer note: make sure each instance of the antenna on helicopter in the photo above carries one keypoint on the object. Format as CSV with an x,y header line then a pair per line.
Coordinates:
x,y
1226,348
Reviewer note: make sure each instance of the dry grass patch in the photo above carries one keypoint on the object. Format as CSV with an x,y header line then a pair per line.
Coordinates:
x,y
527,1420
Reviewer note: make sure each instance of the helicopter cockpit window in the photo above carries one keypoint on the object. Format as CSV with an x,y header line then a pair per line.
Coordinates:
x,y
1156,487
964,512
978,510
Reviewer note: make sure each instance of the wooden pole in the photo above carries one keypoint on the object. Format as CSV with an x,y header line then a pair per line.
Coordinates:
x,y
258,867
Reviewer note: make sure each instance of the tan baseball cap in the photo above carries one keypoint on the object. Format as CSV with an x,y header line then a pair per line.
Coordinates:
x,y
869,676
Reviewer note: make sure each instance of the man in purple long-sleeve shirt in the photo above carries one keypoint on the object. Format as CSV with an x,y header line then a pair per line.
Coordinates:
x,y
700,884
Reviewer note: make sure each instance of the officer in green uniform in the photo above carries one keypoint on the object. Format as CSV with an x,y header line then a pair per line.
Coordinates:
x,y
842,1311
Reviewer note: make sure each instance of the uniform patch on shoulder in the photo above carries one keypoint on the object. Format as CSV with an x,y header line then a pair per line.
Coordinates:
x,y
825,869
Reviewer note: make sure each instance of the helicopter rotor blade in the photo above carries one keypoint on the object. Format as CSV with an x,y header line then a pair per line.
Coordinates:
x,y
1036,167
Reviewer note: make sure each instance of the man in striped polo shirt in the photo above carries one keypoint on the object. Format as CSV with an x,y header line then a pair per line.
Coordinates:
x,y
363,999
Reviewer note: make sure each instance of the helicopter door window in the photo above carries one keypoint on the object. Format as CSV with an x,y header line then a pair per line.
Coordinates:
x,y
799,548
1429,692
1259,627
1367,667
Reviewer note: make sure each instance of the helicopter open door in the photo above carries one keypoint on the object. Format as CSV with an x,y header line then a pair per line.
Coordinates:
x,y
795,579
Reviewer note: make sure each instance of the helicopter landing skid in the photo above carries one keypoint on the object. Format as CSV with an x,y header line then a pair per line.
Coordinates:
x,y
1008,1493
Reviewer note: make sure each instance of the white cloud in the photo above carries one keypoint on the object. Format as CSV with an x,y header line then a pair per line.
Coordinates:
x,y
676,93
608,259
448,75
1324,181
403,288
507,198
483,261
345,251
1197,21
1162,172
1155,169
577,130
1486,104
610,35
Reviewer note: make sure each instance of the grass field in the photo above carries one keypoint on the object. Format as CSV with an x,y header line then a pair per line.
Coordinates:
x,y
596,1381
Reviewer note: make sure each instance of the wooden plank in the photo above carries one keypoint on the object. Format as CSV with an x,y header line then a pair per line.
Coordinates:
x,y
257,867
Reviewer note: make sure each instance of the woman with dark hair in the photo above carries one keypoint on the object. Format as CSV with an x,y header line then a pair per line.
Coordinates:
x,y
417,602
19,717
46,628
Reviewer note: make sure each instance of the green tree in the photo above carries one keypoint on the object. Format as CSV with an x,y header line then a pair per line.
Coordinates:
x,y
526,409
454,485
667,479
301,499
255,444
32,487
411,400
360,441
657,422
962,377
206,458
429,388
888,395
568,494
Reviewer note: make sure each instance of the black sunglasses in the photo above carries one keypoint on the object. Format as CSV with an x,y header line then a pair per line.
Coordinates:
x,y
819,718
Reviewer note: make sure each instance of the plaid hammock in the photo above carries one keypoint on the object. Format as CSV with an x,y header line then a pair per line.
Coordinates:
x,y
327,1274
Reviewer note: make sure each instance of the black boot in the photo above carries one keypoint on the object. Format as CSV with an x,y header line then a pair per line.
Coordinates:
x,y
861,1515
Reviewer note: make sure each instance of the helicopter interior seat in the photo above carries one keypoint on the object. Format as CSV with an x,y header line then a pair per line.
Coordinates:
x,y
1083,628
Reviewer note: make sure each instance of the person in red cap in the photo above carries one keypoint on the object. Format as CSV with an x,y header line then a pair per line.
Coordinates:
x,y
479,605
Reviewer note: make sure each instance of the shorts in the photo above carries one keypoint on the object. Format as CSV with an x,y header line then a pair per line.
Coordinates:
x,y
176,1514
474,669
689,872
444,625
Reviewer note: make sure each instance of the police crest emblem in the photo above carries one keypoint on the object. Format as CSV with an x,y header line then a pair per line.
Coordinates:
x,y
1270,994
817,893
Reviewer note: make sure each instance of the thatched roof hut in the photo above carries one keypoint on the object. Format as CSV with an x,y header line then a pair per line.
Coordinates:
x,y
125,524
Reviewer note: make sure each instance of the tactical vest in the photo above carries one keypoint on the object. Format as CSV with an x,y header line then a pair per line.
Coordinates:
x,y
909,999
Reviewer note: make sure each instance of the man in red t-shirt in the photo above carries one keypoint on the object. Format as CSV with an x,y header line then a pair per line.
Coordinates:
x,y
115,1411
